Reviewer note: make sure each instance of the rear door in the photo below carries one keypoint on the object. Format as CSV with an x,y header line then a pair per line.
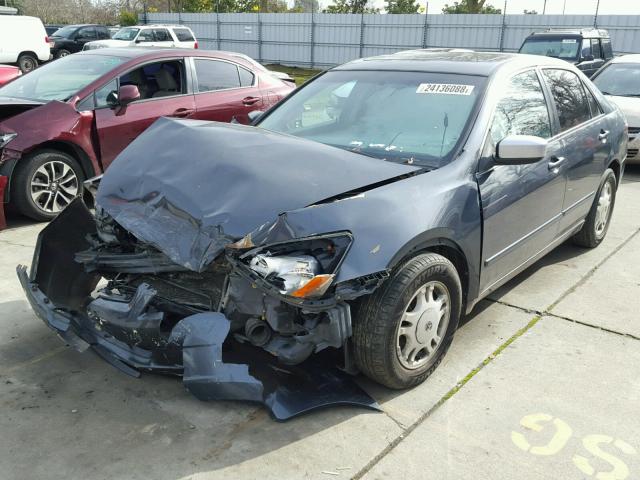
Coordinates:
x,y
82,36
184,38
164,91
584,130
521,204
162,38
224,90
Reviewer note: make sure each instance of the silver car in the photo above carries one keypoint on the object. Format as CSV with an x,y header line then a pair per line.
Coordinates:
x,y
619,80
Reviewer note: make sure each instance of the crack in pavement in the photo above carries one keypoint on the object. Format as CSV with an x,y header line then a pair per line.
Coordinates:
x,y
591,325
8,242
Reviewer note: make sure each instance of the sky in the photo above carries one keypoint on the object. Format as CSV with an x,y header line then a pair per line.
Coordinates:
x,y
607,7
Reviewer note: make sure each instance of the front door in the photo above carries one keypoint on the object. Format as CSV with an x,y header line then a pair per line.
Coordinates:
x,y
163,92
224,90
521,204
585,133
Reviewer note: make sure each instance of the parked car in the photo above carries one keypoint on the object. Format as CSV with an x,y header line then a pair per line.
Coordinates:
x,y
24,41
619,81
177,36
72,38
51,29
588,49
368,229
113,31
8,73
68,120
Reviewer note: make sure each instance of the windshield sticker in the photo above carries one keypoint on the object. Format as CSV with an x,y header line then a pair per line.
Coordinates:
x,y
569,40
445,88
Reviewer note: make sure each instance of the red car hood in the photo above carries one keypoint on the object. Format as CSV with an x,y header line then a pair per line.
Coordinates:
x,y
11,107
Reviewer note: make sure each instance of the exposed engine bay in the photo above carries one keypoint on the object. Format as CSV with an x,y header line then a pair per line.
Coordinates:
x,y
148,313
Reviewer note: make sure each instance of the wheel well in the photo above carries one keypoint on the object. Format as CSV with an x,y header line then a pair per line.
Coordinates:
x,y
73,151
615,166
451,252
29,53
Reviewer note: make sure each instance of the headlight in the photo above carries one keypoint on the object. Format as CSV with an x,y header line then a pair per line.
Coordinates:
x,y
302,268
6,138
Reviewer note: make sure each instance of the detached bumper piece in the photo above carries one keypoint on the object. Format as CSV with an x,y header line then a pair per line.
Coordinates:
x,y
213,366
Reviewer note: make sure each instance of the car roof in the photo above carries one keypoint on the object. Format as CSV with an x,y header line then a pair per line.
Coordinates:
x,y
631,58
578,32
460,62
77,25
164,25
158,52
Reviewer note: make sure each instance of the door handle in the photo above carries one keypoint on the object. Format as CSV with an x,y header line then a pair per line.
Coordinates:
x,y
555,162
603,135
250,100
182,112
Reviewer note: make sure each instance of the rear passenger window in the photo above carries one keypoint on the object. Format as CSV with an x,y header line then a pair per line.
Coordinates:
x,y
594,106
595,48
522,110
216,75
569,97
606,48
183,35
162,35
246,77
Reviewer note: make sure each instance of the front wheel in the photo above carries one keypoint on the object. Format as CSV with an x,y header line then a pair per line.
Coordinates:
x,y
45,183
597,222
27,62
403,331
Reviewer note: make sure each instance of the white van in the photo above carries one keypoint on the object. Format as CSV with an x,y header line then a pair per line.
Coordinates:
x,y
23,41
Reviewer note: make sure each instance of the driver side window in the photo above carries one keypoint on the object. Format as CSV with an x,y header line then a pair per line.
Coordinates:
x,y
522,110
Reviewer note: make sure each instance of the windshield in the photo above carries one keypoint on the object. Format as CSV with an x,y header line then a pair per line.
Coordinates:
x,y
61,79
566,48
622,79
65,32
126,33
411,117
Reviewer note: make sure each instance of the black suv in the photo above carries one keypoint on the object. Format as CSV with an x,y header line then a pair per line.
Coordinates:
x,y
71,39
588,49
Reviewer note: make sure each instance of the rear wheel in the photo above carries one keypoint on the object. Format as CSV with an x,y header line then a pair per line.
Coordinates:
x,y
62,53
27,62
403,331
46,182
597,222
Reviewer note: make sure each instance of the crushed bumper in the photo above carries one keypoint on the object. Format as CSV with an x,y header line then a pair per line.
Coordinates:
x,y
194,346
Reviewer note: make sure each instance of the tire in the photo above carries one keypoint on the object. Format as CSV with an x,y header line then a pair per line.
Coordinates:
x,y
57,175
62,53
27,62
379,350
594,230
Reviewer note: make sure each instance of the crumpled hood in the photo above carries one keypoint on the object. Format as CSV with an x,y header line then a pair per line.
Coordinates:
x,y
630,106
11,107
191,187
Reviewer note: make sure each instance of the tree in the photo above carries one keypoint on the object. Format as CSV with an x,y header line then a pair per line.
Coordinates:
x,y
470,6
128,18
402,6
350,6
305,6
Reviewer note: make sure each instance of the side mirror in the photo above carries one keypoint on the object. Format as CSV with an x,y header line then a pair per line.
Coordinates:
x,y
254,116
520,150
120,99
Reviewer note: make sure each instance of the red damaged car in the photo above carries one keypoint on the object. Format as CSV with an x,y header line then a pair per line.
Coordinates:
x,y
66,121
8,73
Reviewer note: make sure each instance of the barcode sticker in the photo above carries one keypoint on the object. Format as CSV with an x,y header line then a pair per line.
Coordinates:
x,y
445,88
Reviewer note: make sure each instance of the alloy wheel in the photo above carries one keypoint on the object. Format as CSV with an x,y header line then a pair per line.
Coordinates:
x,y
54,185
423,325
603,209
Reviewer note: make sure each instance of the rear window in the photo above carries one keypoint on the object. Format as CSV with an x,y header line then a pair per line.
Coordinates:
x,y
183,34
216,75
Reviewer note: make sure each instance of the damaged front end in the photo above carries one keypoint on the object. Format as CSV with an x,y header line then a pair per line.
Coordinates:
x,y
245,327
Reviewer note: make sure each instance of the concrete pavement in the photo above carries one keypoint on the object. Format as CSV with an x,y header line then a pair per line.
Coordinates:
x,y
541,382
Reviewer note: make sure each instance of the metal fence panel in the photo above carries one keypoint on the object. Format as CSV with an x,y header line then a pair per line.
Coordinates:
x,y
323,40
